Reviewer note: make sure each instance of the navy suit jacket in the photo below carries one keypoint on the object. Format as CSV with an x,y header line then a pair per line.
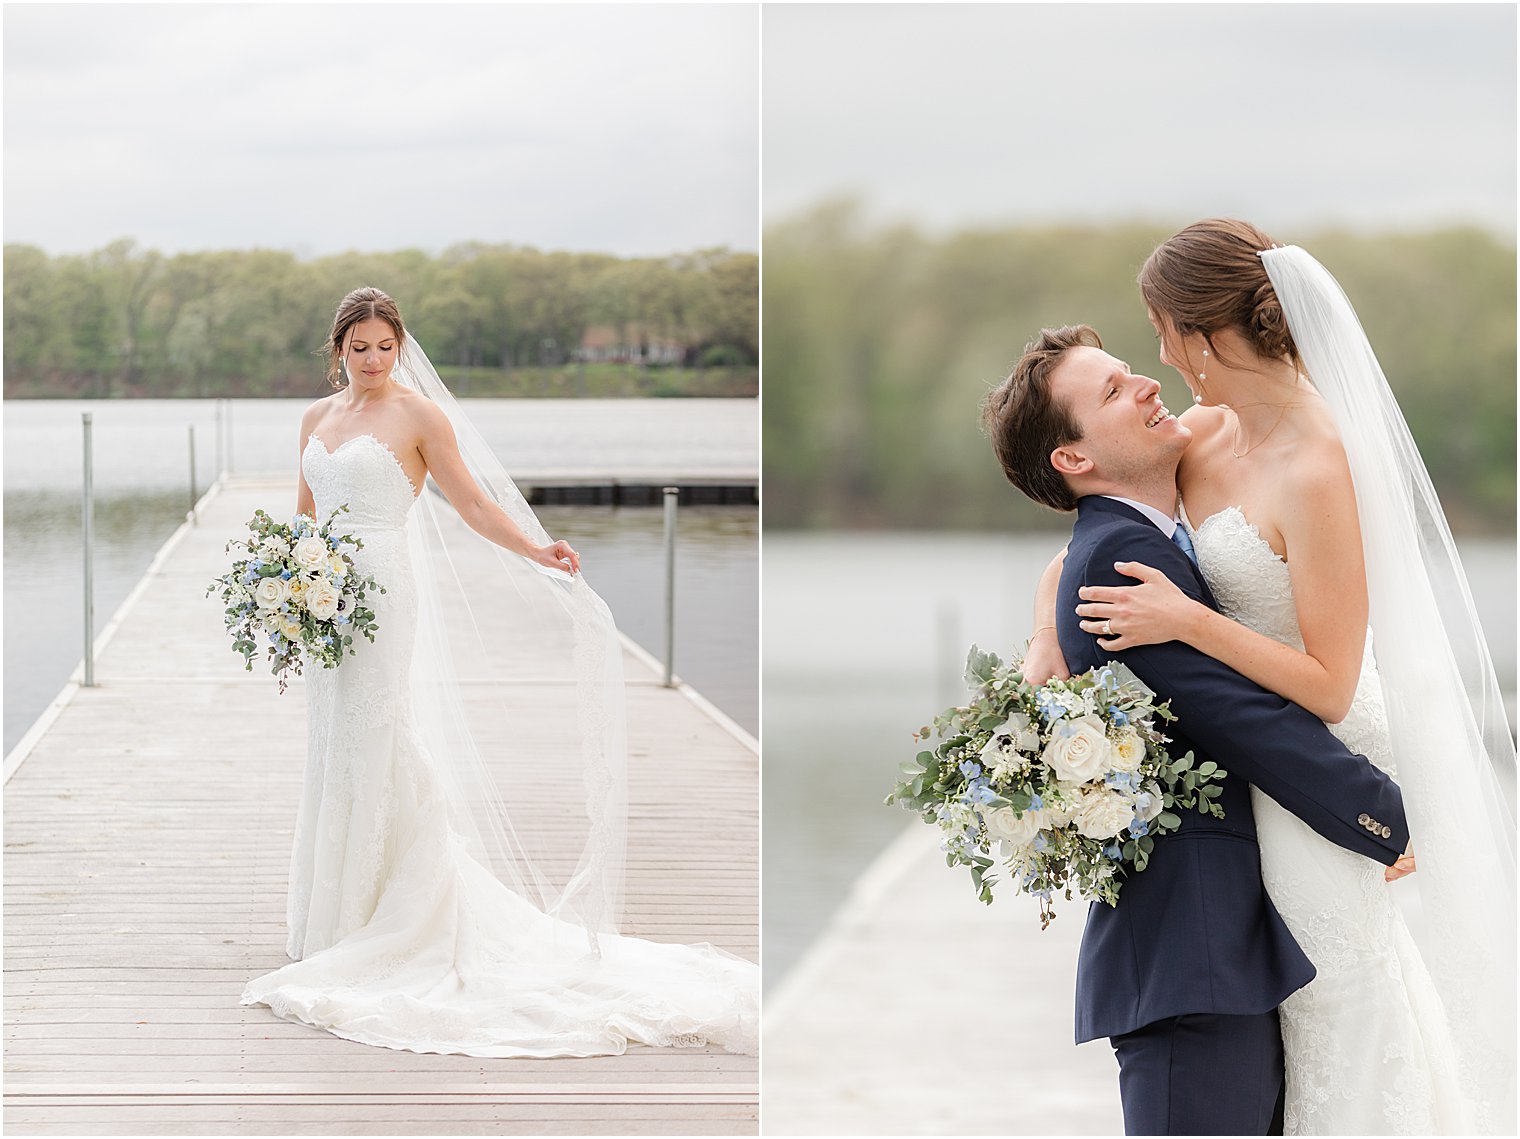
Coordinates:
x,y
1195,931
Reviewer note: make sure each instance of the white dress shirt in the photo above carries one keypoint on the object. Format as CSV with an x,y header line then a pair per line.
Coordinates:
x,y
1163,523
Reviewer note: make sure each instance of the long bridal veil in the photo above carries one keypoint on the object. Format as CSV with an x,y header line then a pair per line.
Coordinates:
x,y
517,692
1452,745
517,682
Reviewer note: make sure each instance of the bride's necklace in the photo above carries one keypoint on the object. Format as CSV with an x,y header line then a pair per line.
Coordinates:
x,y
1276,424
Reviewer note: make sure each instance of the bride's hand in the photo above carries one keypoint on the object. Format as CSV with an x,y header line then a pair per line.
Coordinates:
x,y
1404,866
1151,613
558,556
1044,661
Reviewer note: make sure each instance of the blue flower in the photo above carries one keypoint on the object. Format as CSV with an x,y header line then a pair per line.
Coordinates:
x,y
1106,679
1036,803
1040,842
257,563
1138,828
1113,852
1144,801
970,768
284,575
1118,716
1049,709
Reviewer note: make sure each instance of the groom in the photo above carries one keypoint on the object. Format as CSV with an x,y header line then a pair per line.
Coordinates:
x,y
1185,974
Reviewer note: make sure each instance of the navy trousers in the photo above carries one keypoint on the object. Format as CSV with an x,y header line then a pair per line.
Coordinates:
x,y
1202,1074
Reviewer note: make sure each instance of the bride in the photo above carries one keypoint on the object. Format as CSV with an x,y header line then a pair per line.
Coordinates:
x,y
421,915
1319,534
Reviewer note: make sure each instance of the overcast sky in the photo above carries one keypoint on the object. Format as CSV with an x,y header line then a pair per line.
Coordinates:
x,y
1292,115
323,128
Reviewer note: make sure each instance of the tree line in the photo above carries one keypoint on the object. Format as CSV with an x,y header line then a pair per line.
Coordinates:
x,y
125,321
881,342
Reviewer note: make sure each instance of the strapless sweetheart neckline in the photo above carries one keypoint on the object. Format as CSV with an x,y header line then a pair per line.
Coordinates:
x,y
1254,529
333,454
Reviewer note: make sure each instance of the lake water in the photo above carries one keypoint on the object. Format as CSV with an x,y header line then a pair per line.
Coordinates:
x,y
865,638
142,493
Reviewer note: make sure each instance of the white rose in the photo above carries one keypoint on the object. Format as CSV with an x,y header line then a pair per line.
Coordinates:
x,y
290,626
321,599
1015,833
1148,803
335,566
1103,814
1079,751
271,622
271,592
310,553
1128,751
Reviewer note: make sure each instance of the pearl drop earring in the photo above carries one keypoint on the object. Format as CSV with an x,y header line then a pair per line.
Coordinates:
x,y
1201,377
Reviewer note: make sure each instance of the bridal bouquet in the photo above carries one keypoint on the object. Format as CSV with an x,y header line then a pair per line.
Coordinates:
x,y
1065,784
298,587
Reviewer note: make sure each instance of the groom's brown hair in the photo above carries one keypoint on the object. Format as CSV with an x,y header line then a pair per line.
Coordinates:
x,y
1026,422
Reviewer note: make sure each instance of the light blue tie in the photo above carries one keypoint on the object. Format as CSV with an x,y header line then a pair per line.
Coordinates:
x,y
1184,543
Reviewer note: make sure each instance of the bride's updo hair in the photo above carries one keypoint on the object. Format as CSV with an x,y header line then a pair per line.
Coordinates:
x,y
1209,278
360,305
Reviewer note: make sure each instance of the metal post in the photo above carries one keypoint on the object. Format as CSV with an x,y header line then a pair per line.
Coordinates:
x,y
220,468
193,495
672,498
88,525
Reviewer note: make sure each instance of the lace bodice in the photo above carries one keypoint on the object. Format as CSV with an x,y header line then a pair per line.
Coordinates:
x,y
1250,582
364,473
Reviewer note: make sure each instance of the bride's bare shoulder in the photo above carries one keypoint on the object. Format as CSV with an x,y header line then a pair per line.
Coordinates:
x,y
1203,421
423,415
315,412
1318,461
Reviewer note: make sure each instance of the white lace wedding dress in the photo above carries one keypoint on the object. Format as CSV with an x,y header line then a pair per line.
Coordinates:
x,y
399,936
1366,1043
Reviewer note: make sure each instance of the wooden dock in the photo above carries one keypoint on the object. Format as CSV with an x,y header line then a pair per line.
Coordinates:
x,y
148,822
920,1011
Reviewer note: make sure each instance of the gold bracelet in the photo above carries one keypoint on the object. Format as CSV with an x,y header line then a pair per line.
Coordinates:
x,y
1040,630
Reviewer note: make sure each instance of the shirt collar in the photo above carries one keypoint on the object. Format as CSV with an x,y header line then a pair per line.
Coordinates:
x,y
1166,525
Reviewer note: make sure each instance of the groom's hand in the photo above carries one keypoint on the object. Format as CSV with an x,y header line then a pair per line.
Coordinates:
x,y
1404,865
